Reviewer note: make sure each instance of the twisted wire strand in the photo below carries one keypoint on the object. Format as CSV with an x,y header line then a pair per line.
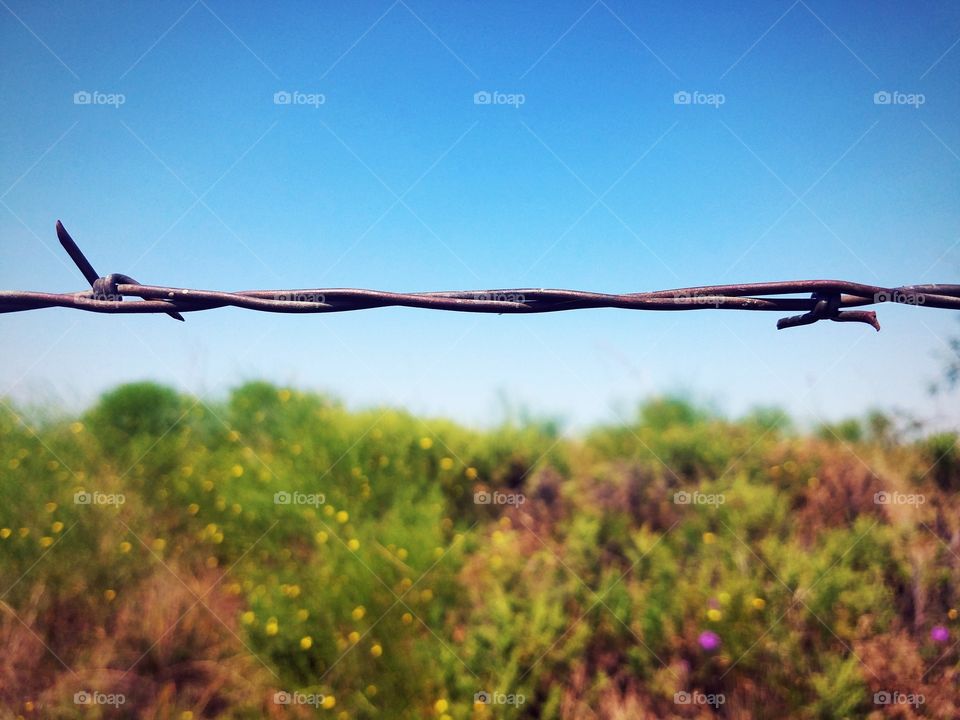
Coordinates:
x,y
828,299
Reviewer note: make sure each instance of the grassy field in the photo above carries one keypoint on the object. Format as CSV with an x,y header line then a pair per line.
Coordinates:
x,y
277,555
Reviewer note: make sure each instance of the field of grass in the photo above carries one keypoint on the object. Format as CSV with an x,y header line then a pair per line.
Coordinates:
x,y
276,555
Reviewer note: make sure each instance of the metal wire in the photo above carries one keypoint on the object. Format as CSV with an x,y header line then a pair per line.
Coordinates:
x,y
828,299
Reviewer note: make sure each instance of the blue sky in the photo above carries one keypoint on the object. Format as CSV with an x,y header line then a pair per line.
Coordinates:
x,y
399,180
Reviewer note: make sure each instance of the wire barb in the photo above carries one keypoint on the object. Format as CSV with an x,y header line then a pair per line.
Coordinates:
x,y
104,288
827,299
827,307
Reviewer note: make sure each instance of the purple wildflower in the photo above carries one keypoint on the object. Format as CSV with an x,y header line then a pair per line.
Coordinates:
x,y
709,640
939,634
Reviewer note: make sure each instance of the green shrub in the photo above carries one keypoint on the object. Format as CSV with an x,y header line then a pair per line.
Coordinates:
x,y
395,595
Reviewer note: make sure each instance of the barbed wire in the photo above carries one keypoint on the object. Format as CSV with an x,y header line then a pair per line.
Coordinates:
x,y
828,299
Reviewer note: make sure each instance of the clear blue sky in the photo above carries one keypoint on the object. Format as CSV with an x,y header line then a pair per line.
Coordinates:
x,y
398,180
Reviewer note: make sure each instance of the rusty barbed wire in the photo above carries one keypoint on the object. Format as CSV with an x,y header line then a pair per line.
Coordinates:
x,y
828,300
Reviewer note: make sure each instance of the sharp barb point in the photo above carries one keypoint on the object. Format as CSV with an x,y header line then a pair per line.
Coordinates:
x,y
79,259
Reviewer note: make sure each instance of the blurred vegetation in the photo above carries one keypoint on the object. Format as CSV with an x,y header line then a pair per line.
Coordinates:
x,y
680,552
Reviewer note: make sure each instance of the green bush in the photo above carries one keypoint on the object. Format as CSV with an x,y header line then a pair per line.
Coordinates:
x,y
278,541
